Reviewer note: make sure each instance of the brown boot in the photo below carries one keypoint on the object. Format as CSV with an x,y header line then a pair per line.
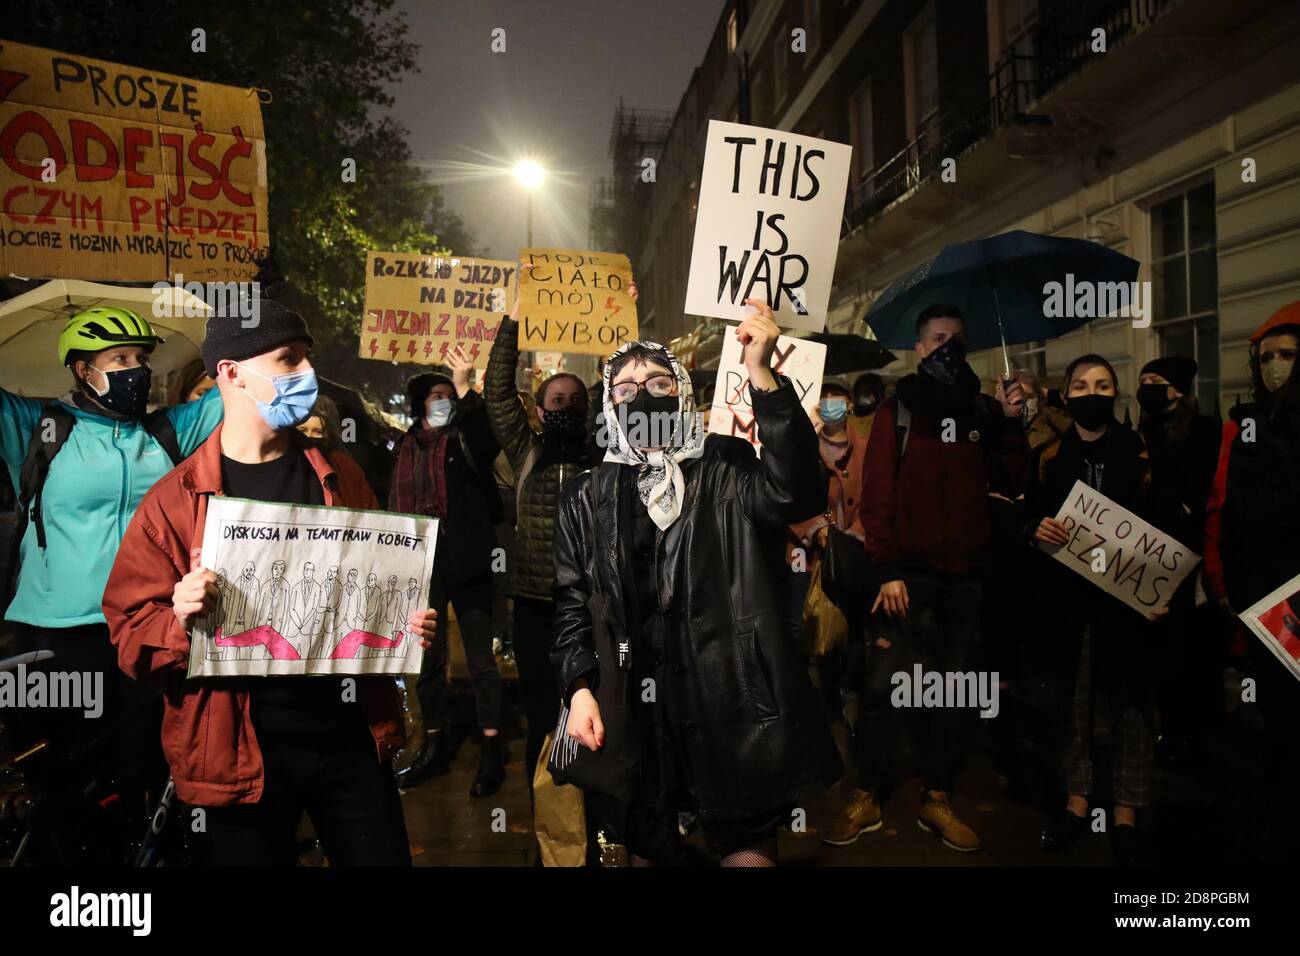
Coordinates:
x,y
936,816
860,815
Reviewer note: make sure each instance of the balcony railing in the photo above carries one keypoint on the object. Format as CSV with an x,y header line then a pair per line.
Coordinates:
x,y
1017,82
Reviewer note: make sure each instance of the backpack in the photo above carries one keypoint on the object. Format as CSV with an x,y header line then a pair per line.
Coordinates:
x,y
40,453
903,424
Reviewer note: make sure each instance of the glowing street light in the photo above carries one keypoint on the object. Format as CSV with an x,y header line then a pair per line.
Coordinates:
x,y
530,174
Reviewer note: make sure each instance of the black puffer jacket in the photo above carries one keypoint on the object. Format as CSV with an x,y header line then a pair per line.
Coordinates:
x,y
532,575
755,736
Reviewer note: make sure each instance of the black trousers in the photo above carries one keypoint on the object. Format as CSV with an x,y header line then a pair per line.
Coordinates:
x,y
349,795
473,602
533,636
941,627
123,741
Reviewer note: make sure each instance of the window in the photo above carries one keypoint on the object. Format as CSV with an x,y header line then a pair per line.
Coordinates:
x,y
1019,82
780,50
921,79
1018,19
861,128
732,35
925,67
812,23
1185,285
757,106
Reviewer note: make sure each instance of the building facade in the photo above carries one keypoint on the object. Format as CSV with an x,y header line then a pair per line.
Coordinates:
x,y
1168,130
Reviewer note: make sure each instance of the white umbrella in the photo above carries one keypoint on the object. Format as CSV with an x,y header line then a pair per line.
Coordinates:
x,y
30,325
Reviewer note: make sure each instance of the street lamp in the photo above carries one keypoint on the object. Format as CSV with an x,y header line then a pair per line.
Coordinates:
x,y
530,175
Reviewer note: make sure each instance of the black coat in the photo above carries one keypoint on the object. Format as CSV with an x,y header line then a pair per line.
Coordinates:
x,y
756,737
1260,541
1184,450
1067,602
467,536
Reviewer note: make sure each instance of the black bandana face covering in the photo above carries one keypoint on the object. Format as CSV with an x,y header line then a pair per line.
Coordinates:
x,y
945,362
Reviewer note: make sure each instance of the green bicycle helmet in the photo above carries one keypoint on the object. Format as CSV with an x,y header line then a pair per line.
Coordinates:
x,y
94,330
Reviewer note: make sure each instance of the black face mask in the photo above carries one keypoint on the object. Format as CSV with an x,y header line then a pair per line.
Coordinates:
x,y
646,416
864,407
562,425
128,390
1092,411
945,362
1154,399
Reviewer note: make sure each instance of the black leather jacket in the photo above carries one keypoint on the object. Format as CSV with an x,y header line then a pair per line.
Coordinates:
x,y
754,729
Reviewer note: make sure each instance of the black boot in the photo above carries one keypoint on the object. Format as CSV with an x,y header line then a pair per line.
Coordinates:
x,y
433,760
1063,830
491,768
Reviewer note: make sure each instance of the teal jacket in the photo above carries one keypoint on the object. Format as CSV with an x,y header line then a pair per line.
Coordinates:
x,y
94,485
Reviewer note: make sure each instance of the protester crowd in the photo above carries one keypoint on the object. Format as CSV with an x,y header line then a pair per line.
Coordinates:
x,y
690,619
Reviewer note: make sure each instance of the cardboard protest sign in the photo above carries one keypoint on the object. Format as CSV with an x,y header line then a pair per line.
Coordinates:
x,y
574,301
768,224
311,590
732,412
419,307
1275,620
1120,553
114,172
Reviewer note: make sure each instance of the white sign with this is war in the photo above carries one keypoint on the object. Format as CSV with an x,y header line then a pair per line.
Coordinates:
x,y
768,224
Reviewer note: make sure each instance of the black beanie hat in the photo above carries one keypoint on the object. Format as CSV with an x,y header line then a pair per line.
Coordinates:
x,y
227,338
1174,369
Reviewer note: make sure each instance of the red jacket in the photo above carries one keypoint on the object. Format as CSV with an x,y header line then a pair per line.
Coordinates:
x,y
207,734
929,510
1214,515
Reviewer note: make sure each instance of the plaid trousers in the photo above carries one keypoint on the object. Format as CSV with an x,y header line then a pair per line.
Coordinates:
x,y
1131,733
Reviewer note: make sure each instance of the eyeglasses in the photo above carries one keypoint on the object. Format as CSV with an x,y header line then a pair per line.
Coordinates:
x,y
659,386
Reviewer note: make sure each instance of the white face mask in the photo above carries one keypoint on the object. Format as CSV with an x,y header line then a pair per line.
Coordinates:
x,y
1031,407
439,412
1276,373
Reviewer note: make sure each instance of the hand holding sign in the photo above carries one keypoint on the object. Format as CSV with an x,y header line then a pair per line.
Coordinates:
x,y
423,623
757,336
193,594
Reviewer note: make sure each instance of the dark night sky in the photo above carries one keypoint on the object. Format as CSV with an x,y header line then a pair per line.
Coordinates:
x,y
552,94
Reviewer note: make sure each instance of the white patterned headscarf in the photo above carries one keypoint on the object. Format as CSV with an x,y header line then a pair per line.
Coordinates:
x,y
659,477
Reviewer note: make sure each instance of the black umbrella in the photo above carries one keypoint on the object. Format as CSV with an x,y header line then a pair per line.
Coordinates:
x,y
846,353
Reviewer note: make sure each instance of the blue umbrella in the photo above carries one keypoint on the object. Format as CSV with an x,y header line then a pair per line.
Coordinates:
x,y
999,285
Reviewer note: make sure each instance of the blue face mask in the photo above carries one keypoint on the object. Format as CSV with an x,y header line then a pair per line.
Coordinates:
x,y
833,410
440,412
295,395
